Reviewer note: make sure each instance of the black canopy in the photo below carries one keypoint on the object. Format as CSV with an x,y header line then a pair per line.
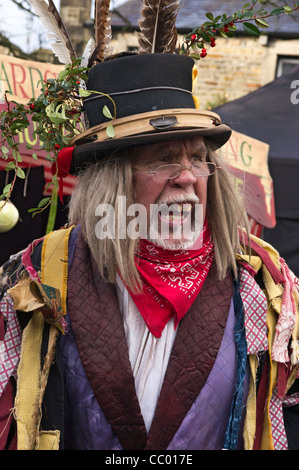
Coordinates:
x,y
271,114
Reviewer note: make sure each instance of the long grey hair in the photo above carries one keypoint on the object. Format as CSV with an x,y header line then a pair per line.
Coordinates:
x,y
104,182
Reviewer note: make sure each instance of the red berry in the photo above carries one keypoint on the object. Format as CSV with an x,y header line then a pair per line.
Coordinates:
x,y
203,53
31,106
231,23
193,37
226,28
56,146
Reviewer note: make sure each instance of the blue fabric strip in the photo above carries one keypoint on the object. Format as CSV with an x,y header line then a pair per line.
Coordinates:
x,y
233,428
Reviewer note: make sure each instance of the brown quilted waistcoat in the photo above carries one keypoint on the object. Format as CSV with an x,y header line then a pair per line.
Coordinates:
x,y
100,337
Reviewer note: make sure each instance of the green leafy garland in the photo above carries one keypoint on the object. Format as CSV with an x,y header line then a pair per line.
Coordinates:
x,y
57,114
253,21
57,111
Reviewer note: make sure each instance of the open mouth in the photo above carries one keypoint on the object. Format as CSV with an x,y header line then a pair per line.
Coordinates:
x,y
176,224
176,213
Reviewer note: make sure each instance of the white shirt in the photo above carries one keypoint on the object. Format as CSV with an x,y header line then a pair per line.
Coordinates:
x,y
148,355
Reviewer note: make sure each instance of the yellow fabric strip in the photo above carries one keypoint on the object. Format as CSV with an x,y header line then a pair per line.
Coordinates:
x,y
267,440
250,420
55,262
273,294
48,440
28,390
54,271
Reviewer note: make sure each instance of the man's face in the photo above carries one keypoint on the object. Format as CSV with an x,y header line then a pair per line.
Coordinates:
x,y
185,190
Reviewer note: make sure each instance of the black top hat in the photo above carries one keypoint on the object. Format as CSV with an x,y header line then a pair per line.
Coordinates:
x,y
150,99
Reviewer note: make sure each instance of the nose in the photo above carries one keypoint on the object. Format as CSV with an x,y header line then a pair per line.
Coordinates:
x,y
185,178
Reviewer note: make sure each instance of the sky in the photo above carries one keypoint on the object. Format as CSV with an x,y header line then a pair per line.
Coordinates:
x,y
24,30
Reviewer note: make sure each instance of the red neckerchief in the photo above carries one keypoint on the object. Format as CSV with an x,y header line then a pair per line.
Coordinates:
x,y
172,279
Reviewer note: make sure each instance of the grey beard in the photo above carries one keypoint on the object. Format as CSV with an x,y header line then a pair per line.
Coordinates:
x,y
176,242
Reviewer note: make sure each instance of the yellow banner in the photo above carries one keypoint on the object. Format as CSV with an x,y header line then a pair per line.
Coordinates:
x,y
21,79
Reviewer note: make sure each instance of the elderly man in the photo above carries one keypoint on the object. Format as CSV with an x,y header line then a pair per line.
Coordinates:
x,y
149,323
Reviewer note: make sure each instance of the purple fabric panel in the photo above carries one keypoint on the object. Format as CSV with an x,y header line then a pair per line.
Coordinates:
x,y
86,427
205,424
203,427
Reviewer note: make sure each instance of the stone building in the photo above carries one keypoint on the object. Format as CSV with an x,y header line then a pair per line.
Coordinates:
x,y
236,66
77,17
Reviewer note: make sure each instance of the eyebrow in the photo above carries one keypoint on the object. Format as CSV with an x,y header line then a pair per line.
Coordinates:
x,y
200,152
164,150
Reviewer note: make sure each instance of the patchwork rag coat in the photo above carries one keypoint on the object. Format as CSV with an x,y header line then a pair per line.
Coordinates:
x,y
66,380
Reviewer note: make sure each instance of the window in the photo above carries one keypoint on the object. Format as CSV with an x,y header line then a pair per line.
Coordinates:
x,y
285,64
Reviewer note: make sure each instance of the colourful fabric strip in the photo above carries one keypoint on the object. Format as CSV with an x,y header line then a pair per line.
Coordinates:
x,y
255,306
260,249
233,428
29,386
10,347
279,437
286,320
260,405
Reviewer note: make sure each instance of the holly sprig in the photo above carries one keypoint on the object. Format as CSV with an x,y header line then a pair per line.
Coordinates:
x,y
252,20
57,114
13,119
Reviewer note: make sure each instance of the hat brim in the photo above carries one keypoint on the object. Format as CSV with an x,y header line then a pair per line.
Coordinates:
x,y
145,129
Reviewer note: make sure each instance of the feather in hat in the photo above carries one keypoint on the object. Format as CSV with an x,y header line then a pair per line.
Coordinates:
x,y
157,26
56,31
102,30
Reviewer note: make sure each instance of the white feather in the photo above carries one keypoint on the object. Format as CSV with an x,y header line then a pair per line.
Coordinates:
x,y
54,34
87,52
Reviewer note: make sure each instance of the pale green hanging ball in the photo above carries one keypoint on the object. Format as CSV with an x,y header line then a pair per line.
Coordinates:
x,y
9,216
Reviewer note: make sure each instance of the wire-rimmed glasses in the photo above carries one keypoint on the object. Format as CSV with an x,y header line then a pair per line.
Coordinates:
x,y
173,170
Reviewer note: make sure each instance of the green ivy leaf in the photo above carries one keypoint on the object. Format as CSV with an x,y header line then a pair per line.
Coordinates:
x,y
195,56
43,202
84,93
7,189
205,36
251,29
10,166
21,173
261,23
106,112
210,16
63,74
288,10
110,131
33,209
277,11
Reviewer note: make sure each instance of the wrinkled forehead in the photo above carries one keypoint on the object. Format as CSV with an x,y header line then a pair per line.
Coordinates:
x,y
173,148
